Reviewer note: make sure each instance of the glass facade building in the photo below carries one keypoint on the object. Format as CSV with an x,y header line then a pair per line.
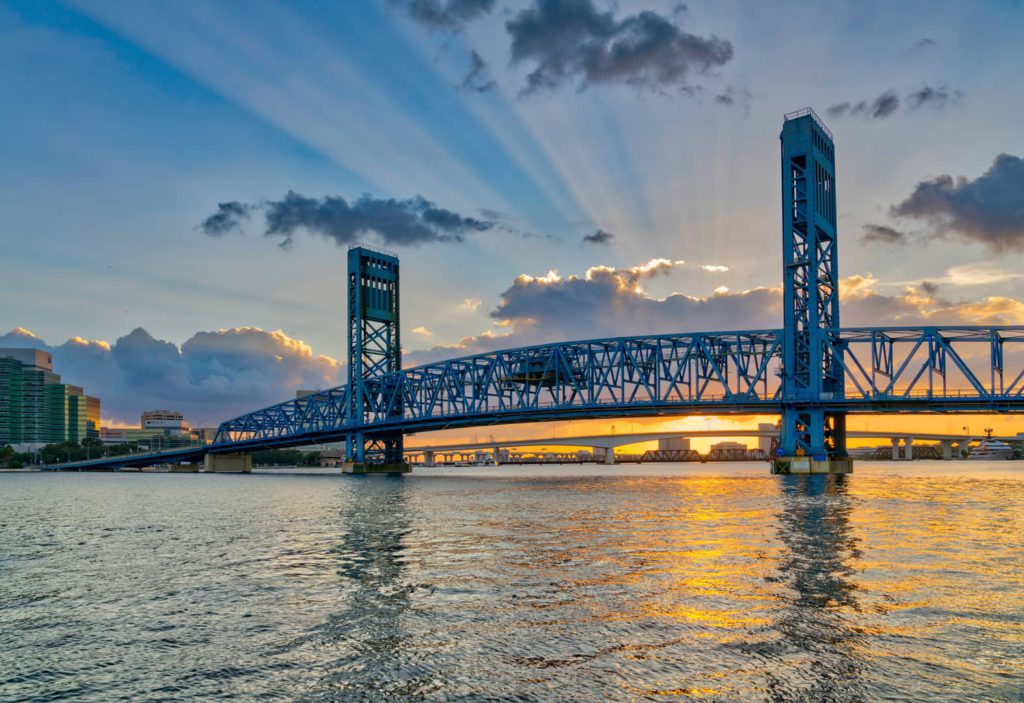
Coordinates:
x,y
36,408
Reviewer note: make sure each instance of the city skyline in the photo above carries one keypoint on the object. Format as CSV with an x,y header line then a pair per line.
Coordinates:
x,y
172,163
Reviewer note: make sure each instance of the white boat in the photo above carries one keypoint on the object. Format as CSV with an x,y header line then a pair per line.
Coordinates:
x,y
991,450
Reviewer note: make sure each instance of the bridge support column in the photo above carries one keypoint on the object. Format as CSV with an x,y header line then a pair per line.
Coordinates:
x,y
375,454
908,448
428,459
947,449
228,463
609,455
895,448
497,456
812,465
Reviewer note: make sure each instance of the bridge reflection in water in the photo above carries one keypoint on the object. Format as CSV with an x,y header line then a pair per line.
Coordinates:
x,y
814,632
561,584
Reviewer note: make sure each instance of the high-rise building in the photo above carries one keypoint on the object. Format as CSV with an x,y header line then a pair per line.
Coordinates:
x,y
35,407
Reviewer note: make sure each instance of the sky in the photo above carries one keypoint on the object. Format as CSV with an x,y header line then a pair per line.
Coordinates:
x,y
181,180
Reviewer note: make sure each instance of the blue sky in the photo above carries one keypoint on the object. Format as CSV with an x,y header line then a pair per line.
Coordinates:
x,y
126,124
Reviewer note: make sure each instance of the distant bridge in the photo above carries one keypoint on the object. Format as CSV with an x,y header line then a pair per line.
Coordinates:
x,y
812,372
607,443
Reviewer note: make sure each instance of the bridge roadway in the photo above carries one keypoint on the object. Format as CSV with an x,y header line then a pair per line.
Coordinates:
x,y
606,442
887,370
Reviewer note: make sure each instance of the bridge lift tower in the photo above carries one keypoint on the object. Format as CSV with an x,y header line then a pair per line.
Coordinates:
x,y
812,439
374,349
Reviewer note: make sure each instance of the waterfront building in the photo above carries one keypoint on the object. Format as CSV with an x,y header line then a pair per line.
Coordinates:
x,y
158,429
728,446
36,408
163,420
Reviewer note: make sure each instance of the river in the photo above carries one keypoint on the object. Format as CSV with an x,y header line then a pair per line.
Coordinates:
x,y
902,581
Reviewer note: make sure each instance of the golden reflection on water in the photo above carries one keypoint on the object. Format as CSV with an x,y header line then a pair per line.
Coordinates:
x,y
692,588
726,587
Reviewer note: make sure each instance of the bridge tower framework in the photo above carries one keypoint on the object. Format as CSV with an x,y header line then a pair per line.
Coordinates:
x,y
374,350
811,375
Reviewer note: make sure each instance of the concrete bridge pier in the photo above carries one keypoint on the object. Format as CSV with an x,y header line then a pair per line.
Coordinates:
x,y
908,448
609,455
895,448
497,456
429,459
228,463
947,449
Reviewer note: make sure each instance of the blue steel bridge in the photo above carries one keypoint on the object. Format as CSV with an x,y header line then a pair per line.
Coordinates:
x,y
812,372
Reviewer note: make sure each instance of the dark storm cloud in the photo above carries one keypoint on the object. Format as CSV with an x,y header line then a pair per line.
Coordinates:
x,y
881,234
445,14
888,103
229,216
394,222
477,79
572,41
988,209
599,237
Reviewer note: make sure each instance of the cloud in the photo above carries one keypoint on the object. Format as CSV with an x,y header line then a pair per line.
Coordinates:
x,y
599,237
611,302
471,304
714,268
477,80
864,305
883,234
229,216
393,222
211,377
445,14
988,209
921,45
731,96
888,103
570,41
422,331
881,107
978,274
932,96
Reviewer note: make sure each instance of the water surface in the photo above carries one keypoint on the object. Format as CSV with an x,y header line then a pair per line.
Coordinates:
x,y
713,583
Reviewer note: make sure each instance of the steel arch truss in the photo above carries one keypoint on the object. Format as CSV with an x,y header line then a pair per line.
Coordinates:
x,y
952,369
734,370
930,369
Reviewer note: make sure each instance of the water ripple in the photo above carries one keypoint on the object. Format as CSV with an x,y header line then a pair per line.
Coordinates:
x,y
734,586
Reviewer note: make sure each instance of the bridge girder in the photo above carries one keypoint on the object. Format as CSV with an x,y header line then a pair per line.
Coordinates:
x,y
897,369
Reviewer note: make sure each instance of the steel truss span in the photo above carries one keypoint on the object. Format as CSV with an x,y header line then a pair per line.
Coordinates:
x,y
937,369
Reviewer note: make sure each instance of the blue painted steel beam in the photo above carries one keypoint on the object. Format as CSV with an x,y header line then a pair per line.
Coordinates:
x,y
897,369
